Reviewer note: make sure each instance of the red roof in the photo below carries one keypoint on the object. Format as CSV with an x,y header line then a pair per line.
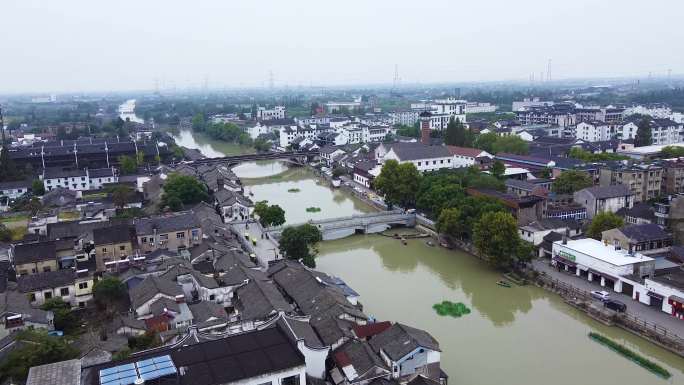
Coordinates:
x,y
363,331
342,359
464,151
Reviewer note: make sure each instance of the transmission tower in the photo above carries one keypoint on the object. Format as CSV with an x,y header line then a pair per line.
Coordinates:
x,y
548,71
397,79
270,80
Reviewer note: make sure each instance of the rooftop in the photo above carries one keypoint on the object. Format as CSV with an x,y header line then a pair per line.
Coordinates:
x,y
607,253
58,373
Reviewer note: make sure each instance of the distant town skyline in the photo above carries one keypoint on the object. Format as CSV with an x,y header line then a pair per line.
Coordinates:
x,y
126,45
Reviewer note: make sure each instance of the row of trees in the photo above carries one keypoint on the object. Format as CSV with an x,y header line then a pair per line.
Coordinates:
x,y
180,190
494,144
442,194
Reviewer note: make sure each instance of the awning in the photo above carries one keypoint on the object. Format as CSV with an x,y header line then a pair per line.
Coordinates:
x,y
565,261
674,298
654,295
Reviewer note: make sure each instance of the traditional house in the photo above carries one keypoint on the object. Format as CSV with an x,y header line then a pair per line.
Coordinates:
x,y
600,199
172,232
233,205
112,244
647,239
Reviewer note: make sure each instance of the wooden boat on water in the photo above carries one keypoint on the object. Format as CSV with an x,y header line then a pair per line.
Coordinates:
x,y
503,283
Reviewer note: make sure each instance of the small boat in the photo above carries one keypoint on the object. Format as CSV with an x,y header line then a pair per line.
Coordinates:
x,y
503,283
430,243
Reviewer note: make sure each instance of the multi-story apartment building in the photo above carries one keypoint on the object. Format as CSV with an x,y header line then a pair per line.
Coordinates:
x,y
562,115
404,117
441,111
602,114
277,112
170,232
643,180
663,131
594,131
673,177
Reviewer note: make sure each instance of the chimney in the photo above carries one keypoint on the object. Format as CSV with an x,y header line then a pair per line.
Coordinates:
x,y
425,127
565,236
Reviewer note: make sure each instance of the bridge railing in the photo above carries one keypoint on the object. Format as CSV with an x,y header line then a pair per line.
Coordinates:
x,y
325,223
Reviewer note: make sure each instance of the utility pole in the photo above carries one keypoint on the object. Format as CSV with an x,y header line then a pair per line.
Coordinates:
x,y
396,80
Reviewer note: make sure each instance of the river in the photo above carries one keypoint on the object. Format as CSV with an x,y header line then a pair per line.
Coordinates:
x,y
519,335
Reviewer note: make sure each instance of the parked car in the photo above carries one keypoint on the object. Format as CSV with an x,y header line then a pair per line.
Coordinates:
x,y
615,305
600,295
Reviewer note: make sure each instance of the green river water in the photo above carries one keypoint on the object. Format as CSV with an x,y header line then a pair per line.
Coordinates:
x,y
519,335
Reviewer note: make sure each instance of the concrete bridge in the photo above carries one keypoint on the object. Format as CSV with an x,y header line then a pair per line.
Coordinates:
x,y
298,156
336,228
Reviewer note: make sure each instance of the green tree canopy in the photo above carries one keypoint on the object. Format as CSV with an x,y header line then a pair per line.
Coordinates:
x,y
643,136
39,349
602,222
450,222
455,133
272,215
109,291
121,195
38,187
198,122
398,183
672,152
183,188
570,181
498,169
299,243
496,236
65,319
127,164
511,144
486,142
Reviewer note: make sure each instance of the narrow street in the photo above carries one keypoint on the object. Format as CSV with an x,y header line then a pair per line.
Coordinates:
x,y
635,308
266,250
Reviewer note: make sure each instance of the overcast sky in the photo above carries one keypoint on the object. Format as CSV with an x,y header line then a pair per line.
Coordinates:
x,y
52,46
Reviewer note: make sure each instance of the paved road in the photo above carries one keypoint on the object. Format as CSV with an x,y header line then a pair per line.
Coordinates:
x,y
635,308
266,250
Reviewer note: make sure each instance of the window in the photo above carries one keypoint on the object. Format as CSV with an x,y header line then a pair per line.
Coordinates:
x,y
47,294
81,304
32,297
180,235
292,380
122,247
64,291
212,297
143,239
46,269
83,285
163,237
104,249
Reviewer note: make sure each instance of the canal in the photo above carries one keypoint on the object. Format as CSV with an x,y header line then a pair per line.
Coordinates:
x,y
519,335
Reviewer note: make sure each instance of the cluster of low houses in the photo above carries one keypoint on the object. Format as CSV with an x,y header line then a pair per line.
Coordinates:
x,y
221,317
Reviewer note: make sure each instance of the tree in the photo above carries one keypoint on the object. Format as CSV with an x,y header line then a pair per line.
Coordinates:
x,y
299,243
272,215
602,222
498,169
486,142
109,292
449,222
121,195
496,236
510,144
262,145
338,172
672,152
140,158
37,187
455,133
65,319
570,181
398,183
5,233
643,135
39,349
128,164
183,188
198,122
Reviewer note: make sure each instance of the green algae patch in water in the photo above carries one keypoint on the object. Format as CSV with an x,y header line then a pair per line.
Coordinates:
x,y
631,355
294,190
452,309
313,209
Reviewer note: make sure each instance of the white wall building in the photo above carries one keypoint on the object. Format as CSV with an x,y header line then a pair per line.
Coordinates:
x,y
277,112
604,263
594,131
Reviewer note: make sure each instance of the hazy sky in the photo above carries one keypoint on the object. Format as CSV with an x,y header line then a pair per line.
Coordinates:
x,y
67,45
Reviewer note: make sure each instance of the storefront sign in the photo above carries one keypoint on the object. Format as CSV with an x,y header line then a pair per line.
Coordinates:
x,y
566,255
